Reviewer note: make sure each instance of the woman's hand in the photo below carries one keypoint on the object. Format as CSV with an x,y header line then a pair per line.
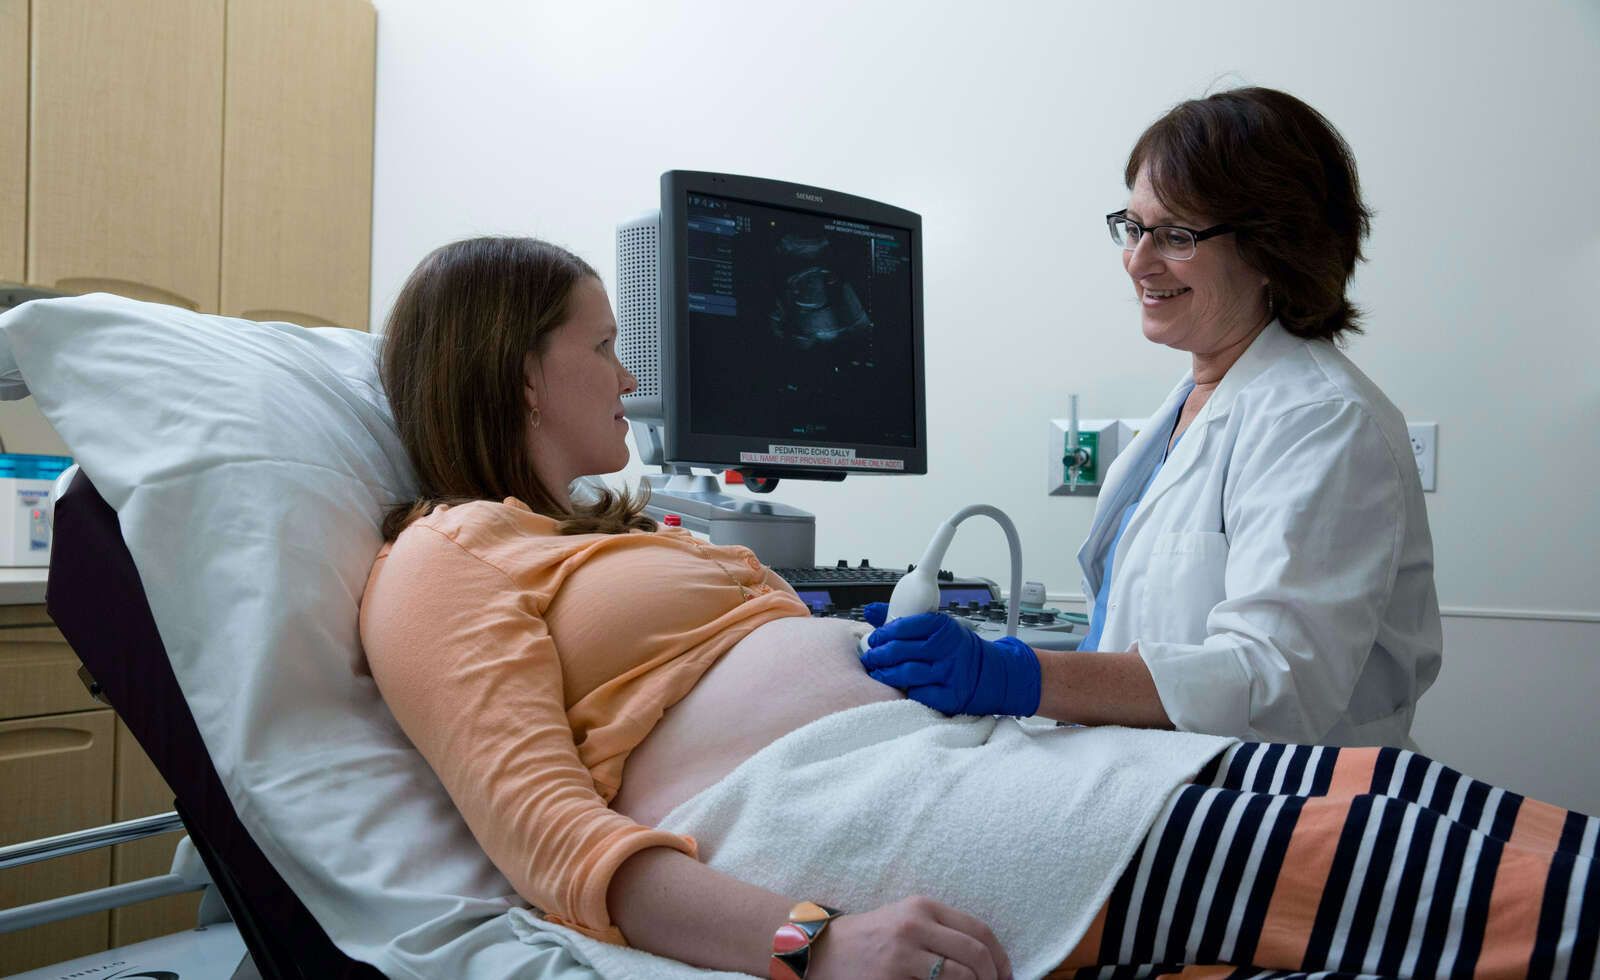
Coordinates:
x,y
906,939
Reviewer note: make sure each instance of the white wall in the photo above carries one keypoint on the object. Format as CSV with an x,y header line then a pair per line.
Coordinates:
x,y
1515,705
1476,126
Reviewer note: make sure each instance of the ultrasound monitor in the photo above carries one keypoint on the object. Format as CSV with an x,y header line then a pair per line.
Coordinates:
x,y
775,330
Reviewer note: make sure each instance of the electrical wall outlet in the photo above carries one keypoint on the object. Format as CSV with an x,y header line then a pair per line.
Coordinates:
x,y
1425,450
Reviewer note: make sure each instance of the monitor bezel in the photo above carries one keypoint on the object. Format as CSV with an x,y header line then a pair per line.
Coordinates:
x,y
682,445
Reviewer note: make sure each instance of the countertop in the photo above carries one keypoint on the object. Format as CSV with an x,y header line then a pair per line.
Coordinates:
x,y
22,586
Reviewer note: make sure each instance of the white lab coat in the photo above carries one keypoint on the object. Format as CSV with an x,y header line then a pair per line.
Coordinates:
x,y
1278,575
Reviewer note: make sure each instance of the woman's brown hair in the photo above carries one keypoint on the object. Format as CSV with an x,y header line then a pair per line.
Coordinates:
x,y
452,366
1278,172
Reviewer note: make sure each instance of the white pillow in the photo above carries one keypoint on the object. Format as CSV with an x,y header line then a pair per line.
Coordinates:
x,y
250,465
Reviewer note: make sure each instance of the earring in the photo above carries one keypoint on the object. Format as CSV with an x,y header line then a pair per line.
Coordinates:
x,y
533,418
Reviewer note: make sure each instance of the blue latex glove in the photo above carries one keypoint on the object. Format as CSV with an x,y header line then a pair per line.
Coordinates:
x,y
939,662
876,613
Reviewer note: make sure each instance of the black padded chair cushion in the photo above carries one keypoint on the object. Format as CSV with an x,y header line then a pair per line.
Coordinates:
x,y
95,597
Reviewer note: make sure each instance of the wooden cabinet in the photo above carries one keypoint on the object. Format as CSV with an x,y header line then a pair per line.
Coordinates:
x,y
13,137
141,792
211,154
63,763
297,171
67,763
125,157
38,671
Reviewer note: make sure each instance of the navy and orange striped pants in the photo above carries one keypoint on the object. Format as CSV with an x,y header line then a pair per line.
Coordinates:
x,y
1293,860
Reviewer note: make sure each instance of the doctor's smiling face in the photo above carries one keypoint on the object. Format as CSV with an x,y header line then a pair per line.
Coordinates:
x,y
574,393
1210,305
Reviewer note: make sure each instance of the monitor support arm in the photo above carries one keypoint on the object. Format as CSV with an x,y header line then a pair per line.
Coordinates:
x,y
780,535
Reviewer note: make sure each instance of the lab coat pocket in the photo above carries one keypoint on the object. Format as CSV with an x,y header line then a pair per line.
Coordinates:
x,y
1187,579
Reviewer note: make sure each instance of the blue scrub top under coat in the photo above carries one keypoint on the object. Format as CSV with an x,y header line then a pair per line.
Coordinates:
x,y
1097,619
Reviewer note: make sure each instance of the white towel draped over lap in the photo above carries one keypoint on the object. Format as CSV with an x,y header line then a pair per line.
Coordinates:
x,y
1023,824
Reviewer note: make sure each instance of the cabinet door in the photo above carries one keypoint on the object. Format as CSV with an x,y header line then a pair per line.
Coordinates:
x,y
13,136
125,163
297,181
141,792
62,764
39,673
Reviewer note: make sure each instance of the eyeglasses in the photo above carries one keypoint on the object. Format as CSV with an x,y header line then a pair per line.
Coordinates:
x,y
1173,241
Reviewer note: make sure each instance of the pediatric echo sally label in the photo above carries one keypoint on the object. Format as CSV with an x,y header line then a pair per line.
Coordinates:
x,y
819,456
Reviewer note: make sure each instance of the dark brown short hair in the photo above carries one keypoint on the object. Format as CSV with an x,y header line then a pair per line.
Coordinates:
x,y
452,367
1274,168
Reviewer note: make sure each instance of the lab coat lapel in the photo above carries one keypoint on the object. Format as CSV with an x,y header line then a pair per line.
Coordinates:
x,y
1122,483
1268,346
1186,455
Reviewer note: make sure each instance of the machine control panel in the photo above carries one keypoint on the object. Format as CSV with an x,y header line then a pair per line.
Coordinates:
x,y
843,591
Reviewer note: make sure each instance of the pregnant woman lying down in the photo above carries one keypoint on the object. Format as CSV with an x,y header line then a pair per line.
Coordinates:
x,y
573,673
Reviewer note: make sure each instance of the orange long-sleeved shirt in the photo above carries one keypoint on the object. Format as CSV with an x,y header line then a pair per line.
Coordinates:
x,y
525,665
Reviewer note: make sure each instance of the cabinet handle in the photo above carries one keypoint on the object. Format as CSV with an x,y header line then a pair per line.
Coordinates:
x,y
290,316
27,743
125,287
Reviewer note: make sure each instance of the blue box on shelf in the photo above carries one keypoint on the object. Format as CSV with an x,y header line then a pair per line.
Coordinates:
x,y
25,518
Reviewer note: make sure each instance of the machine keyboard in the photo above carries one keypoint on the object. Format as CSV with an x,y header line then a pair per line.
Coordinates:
x,y
833,575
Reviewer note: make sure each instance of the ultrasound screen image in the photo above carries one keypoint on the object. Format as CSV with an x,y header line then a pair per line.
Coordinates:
x,y
799,326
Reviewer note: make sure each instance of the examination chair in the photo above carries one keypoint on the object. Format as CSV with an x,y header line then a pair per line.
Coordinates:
x,y
95,597
210,580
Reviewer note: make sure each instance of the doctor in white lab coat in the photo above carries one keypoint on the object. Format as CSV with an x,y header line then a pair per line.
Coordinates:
x,y
1276,578
1259,563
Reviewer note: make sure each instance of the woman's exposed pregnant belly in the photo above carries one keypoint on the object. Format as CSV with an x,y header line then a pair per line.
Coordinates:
x,y
786,674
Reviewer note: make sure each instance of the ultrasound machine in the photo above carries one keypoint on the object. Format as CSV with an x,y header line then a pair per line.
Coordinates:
x,y
776,332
